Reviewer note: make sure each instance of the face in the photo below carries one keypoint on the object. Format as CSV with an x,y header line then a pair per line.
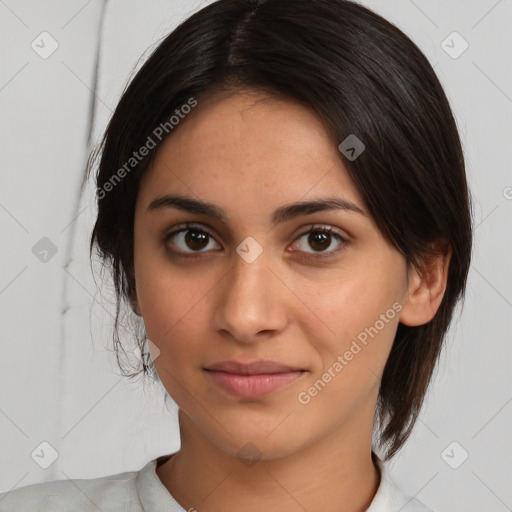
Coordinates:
x,y
317,291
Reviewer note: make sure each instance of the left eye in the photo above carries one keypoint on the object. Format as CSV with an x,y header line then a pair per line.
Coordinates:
x,y
320,239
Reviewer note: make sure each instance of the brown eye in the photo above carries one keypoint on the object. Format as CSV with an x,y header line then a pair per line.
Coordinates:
x,y
320,239
196,240
190,240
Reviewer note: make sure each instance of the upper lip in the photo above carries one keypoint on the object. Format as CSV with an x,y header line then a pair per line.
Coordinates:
x,y
253,367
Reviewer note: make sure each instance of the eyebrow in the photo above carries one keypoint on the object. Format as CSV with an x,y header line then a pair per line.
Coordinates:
x,y
281,214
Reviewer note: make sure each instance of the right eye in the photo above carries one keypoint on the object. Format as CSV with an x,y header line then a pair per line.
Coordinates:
x,y
189,239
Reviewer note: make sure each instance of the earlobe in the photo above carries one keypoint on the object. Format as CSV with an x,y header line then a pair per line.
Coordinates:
x,y
426,287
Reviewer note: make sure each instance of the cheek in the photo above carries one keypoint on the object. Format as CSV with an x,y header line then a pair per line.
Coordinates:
x,y
176,317
173,314
350,354
349,301
354,316
170,295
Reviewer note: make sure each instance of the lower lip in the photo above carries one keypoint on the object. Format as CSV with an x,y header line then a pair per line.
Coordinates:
x,y
253,386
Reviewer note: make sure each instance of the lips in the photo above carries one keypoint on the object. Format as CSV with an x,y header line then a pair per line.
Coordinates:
x,y
252,380
252,368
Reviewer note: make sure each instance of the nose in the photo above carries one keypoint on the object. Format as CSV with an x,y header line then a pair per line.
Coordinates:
x,y
252,301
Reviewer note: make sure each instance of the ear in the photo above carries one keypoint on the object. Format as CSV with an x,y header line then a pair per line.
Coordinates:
x,y
426,287
134,303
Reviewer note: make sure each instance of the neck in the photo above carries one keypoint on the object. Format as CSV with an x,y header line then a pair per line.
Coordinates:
x,y
201,476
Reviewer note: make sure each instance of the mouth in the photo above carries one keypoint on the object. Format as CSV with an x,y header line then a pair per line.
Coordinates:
x,y
253,380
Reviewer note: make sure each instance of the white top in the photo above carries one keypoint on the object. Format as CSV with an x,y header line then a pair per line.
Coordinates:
x,y
142,491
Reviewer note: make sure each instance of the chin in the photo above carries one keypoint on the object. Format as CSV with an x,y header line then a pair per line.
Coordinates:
x,y
251,451
249,444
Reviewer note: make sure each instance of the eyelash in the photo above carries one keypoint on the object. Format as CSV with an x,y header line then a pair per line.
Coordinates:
x,y
308,256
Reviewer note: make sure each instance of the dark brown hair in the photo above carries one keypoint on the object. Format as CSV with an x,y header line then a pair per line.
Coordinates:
x,y
362,76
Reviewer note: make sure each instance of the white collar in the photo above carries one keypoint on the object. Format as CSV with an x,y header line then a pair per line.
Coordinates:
x,y
154,495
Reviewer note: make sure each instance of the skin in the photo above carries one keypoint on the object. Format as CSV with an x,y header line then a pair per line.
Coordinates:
x,y
250,154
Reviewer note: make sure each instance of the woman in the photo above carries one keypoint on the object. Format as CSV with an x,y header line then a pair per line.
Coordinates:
x,y
282,200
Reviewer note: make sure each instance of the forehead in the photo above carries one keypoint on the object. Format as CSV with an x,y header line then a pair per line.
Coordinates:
x,y
249,150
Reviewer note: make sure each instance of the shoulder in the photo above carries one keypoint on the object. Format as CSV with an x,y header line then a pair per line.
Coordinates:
x,y
403,502
390,498
113,492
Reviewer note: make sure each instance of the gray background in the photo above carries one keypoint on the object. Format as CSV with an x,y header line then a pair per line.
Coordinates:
x,y
59,382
